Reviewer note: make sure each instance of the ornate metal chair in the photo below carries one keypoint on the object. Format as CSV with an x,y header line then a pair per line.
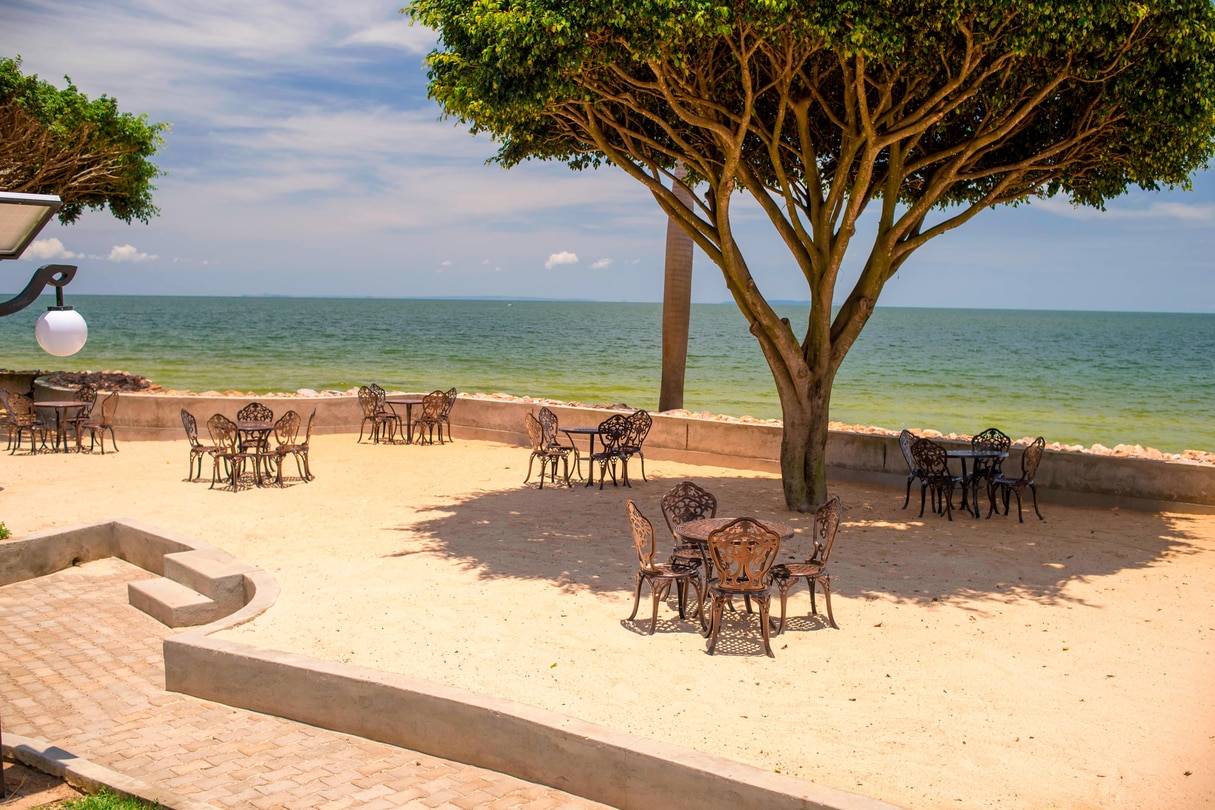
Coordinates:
x,y
1005,486
983,470
552,436
612,433
375,415
286,429
742,552
226,439
85,393
814,569
431,417
197,448
659,576
906,439
933,464
25,418
640,423
549,454
298,450
445,416
99,424
684,502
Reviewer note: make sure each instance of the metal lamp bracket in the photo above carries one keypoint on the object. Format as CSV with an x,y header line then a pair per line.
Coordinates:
x,y
53,275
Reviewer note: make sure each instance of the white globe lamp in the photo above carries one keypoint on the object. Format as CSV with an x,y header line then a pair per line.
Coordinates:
x,y
61,331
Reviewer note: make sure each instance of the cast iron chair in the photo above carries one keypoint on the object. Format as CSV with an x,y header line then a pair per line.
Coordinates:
x,y
983,470
286,429
684,502
99,424
299,451
85,393
906,439
197,448
933,464
550,426
640,423
814,569
228,454
659,576
381,421
1005,486
612,433
549,454
742,552
431,417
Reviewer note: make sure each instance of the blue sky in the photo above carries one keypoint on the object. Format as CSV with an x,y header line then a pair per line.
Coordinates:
x,y
305,159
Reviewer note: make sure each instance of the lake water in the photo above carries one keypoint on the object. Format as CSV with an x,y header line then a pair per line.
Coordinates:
x,y
1073,377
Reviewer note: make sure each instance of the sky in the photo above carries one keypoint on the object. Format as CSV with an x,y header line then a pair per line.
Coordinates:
x,y
306,159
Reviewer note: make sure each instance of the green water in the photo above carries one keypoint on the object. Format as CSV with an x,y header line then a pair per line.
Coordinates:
x,y
1073,377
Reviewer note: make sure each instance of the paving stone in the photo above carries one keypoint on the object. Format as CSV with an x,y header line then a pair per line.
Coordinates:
x,y
83,670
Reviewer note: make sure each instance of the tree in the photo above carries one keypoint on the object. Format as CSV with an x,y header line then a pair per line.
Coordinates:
x,y
676,303
923,112
88,153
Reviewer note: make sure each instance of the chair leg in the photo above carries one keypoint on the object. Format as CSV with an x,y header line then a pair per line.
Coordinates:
x,y
923,491
715,623
636,597
827,598
907,500
764,609
656,594
1020,518
1034,491
783,585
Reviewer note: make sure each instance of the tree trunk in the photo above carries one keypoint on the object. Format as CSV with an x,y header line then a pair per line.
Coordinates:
x,y
676,304
803,449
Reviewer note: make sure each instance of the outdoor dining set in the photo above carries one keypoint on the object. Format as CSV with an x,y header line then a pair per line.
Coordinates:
x,y
80,415
720,559
621,437
253,447
384,423
928,461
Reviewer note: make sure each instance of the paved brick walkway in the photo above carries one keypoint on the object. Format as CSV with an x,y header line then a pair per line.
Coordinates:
x,y
82,669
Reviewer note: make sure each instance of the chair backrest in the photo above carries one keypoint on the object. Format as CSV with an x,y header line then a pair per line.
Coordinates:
x,y
287,428
639,427
1031,458
643,537
108,407
450,400
191,425
548,422
743,551
379,392
687,501
21,409
368,402
224,434
255,412
86,393
535,431
930,458
612,432
826,522
906,439
991,439
432,405
308,433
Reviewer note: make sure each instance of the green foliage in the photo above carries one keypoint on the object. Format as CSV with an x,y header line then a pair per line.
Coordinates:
x,y
106,800
58,141
4,532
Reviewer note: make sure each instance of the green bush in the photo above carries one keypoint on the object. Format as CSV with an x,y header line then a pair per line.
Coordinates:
x,y
105,800
4,532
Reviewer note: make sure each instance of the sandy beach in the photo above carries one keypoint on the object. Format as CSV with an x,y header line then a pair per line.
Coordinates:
x,y
979,663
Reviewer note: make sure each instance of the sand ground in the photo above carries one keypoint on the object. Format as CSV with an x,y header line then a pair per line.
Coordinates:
x,y
979,663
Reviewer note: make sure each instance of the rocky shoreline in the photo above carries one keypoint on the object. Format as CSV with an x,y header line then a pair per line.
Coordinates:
x,y
127,382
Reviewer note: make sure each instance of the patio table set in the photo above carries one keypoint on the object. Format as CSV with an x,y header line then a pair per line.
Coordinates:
x,y
621,437
928,461
25,416
383,421
722,558
253,447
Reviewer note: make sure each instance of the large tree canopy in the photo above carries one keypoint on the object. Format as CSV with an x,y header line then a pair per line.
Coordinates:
x,y
91,155
926,112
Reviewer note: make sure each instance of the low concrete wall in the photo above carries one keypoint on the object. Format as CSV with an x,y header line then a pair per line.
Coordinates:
x,y
537,745
1074,478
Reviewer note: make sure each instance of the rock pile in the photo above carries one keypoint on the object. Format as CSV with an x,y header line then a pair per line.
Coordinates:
x,y
102,381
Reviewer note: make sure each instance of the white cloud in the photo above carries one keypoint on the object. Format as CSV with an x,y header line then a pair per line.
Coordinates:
x,y
49,249
564,257
129,253
1127,210
395,34
601,263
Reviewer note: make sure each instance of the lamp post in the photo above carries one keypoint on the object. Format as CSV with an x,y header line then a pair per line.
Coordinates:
x,y
60,330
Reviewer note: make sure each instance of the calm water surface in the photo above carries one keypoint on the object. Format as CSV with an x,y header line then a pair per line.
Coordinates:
x,y
1074,377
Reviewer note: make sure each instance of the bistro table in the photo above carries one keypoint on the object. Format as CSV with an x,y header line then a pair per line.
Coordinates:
x,y
964,453
408,402
590,433
60,406
255,440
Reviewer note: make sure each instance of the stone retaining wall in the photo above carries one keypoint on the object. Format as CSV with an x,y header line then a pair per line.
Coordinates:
x,y
1077,478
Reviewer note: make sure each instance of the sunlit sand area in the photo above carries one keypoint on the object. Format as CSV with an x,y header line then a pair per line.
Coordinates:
x,y
979,663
